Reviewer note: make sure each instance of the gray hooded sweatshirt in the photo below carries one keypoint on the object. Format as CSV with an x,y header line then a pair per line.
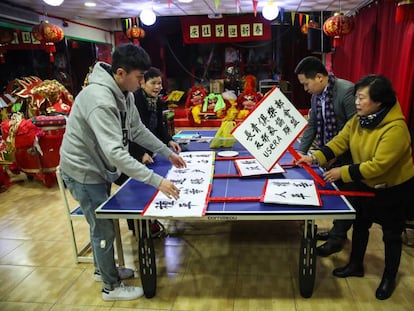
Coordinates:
x,y
102,121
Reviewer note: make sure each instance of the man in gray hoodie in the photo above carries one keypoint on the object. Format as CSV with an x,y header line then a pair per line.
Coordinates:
x,y
94,152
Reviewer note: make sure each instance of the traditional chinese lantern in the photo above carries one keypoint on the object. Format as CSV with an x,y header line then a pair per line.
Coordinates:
x,y
311,24
135,33
337,26
48,34
405,11
6,36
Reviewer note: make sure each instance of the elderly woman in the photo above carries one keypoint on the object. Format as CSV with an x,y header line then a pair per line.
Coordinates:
x,y
380,145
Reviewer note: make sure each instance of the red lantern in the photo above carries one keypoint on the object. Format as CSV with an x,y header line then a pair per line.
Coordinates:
x,y
337,26
405,11
6,36
135,33
48,34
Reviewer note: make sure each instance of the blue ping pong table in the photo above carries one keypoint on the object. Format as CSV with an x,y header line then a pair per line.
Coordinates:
x,y
131,198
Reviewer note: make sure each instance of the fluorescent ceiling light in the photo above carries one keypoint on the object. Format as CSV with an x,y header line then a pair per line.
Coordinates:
x,y
185,1
53,2
90,4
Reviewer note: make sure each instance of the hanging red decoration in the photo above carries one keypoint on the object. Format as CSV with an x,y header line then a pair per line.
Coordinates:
x,y
48,34
311,24
135,33
337,26
6,36
405,11
255,2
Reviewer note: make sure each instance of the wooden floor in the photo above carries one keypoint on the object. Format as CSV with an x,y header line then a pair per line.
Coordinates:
x,y
209,266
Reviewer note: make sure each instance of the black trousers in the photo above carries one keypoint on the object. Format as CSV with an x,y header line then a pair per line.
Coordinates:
x,y
389,208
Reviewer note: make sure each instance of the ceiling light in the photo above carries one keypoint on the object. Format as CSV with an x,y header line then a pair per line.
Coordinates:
x,y
185,1
90,4
270,11
147,17
53,2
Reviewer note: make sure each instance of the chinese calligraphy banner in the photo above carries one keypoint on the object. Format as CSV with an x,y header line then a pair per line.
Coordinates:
x,y
197,29
270,128
194,183
292,191
250,167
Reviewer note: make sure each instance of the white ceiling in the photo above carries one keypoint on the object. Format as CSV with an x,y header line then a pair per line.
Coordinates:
x,y
108,9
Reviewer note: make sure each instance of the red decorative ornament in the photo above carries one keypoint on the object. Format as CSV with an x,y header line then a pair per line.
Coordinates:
x,y
405,11
6,36
337,26
135,33
311,24
48,34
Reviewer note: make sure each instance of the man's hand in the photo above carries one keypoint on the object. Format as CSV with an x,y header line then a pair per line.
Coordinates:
x,y
177,161
169,189
174,146
147,159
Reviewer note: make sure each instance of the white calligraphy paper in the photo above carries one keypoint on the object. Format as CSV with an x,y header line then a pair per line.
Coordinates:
x,y
194,183
270,128
250,167
292,192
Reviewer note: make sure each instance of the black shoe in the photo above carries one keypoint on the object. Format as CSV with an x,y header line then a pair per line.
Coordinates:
x,y
322,236
350,269
328,248
385,289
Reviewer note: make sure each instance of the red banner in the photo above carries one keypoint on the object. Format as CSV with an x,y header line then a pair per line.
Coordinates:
x,y
227,29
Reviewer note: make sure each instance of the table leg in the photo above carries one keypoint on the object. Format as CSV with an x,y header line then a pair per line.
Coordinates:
x,y
307,259
146,253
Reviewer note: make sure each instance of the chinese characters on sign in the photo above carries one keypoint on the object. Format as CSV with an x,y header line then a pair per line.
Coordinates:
x,y
251,167
292,191
270,128
194,183
227,29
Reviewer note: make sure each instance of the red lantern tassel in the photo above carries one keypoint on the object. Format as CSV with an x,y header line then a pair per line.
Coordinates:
x,y
2,60
51,57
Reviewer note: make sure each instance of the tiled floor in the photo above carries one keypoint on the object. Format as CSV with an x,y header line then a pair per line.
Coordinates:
x,y
207,266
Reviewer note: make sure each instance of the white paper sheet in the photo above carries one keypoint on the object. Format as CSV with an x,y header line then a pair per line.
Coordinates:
x,y
292,192
194,183
251,167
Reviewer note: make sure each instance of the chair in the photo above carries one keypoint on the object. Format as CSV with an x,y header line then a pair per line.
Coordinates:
x,y
74,214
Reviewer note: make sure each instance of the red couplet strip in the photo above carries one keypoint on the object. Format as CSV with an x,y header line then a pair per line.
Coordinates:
x,y
307,167
234,199
347,193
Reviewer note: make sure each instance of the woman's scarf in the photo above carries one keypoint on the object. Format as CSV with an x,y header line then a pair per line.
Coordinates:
x,y
372,120
326,129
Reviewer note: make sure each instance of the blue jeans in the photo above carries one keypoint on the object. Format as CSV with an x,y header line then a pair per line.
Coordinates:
x,y
102,232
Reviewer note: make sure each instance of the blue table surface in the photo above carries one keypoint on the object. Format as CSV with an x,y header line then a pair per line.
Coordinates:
x,y
133,196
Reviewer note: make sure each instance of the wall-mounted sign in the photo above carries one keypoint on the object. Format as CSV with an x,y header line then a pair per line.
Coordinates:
x,y
226,29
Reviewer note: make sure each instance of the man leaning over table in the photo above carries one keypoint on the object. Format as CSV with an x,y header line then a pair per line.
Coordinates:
x,y
332,104
94,152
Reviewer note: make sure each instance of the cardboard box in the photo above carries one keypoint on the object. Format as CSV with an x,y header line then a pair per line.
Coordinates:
x,y
217,86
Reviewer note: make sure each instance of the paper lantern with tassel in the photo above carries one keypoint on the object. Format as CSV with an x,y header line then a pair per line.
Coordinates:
x,y
337,26
311,24
6,36
135,33
405,11
48,34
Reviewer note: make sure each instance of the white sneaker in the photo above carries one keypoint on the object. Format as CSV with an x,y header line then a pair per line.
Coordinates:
x,y
122,293
124,274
